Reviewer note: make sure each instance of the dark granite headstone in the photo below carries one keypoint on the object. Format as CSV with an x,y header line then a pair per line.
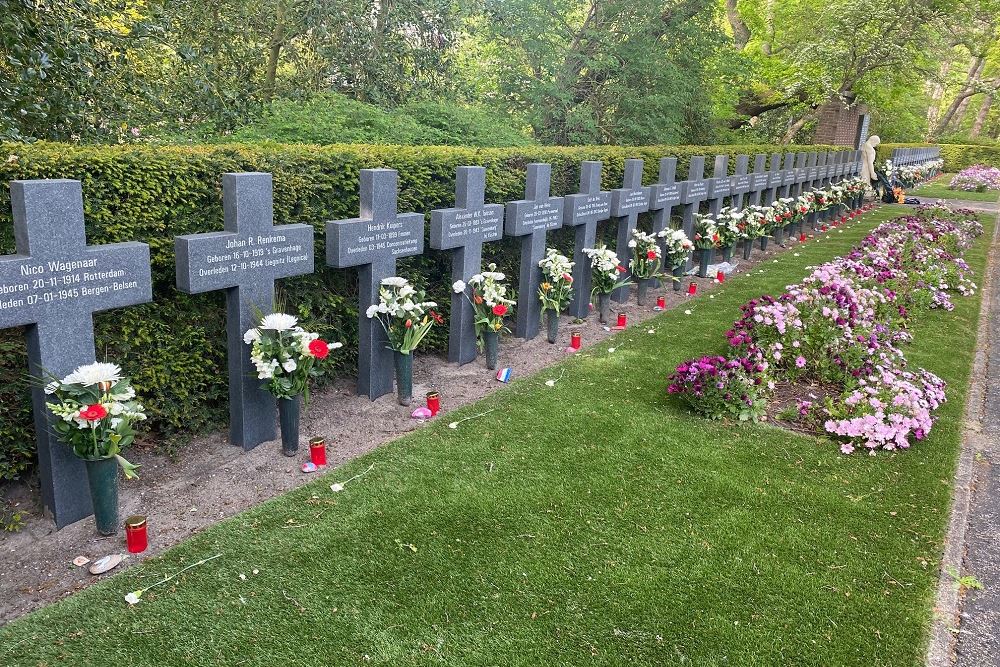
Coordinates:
x,y
776,178
373,242
789,175
718,185
801,173
694,190
739,182
245,260
583,211
52,286
529,219
664,195
463,230
627,202
759,179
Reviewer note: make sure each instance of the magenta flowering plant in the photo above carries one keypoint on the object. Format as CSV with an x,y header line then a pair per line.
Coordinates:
x,y
842,327
717,387
977,178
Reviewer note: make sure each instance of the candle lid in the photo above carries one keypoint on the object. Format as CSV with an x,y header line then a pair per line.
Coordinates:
x,y
433,394
135,521
316,442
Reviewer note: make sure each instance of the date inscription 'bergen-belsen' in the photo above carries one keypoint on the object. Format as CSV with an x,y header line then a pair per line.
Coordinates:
x,y
63,280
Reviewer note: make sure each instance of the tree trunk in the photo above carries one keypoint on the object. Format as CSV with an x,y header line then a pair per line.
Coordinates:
x,y
968,89
984,112
741,33
794,128
765,46
274,54
937,92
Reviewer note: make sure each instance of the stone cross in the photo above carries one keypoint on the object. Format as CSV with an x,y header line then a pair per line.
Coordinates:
x,y
775,179
53,286
373,242
801,174
663,196
627,202
739,183
584,211
812,168
694,190
789,175
245,260
529,219
463,230
759,179
718,185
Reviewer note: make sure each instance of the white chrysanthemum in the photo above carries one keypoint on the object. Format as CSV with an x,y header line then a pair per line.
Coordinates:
x,y
394,281
458,287
94,373
278,322
251,336
494,275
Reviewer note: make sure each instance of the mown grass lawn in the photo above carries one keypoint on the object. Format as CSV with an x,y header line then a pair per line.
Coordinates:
x,y
939,189
593,522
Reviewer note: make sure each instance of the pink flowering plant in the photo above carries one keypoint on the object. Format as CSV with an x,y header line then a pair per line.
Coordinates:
x,y
977,178
842,327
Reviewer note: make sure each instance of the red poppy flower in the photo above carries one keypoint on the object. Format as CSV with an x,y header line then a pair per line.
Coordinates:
x,y
94,413
319,348
650,254
500,310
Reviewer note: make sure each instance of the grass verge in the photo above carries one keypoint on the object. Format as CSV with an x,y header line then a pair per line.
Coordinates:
x,y
939,189
589,522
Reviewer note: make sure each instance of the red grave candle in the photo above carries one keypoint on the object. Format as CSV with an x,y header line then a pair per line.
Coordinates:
x,y
317,451
622,319
692,288
575,339
135,534
661,302
802,237
433,402
720,276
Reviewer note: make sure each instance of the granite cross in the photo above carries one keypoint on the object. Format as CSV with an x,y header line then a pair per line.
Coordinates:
x,y
463,230
529,219
373,242
775,178
739,182
694,190
759,179
245,260
801,174
718,185
627,202
663,196
53,286
788,175
583,211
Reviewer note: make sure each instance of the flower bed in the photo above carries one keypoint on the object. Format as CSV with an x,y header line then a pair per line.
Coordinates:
x,y
842,327
977,178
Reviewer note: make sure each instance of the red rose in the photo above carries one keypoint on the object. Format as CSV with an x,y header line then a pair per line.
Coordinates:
x,y
715,238
650,254
500,310
319,349
94,413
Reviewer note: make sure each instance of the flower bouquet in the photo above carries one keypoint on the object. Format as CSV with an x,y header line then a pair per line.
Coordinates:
x,y
731,224
285,356
677,248
706,240
406,318
556,290
487,292
755,226
95,408
645,262
606,276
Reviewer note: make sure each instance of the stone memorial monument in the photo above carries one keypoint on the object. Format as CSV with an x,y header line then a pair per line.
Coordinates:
x,y
583,211
627,202
53,286
373,242
245,260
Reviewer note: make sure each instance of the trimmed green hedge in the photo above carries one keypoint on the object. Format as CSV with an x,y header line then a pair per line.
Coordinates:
x,y
956,156
174,348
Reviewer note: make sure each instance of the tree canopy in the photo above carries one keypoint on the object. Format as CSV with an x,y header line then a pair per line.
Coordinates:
x,y
549,71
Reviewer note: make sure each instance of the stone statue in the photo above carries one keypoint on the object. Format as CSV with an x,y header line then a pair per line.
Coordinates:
x,y
868,159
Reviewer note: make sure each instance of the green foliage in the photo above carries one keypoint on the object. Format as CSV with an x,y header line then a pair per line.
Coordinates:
x,y
336,119
173,348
